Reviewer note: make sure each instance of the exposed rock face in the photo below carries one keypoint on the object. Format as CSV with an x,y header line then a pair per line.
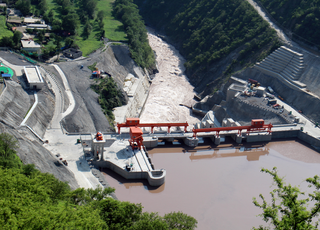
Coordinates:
x,y
15,103
88,115
42,114
31,151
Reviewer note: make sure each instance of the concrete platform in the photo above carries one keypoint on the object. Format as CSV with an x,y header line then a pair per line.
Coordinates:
x,y
130,164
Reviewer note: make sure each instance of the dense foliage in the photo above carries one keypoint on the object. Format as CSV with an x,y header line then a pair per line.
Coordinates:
x,y
209,29
30,199
110,96
140,50
290,208
302,17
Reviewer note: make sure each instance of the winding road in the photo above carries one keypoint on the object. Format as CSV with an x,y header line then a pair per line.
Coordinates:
x,y
65,145
283,37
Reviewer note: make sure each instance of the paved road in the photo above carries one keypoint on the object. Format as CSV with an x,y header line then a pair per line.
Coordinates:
x,y
280,33
60,143
72,102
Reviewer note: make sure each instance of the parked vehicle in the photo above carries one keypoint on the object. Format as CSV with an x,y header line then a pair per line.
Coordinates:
x,y
269,95
270,89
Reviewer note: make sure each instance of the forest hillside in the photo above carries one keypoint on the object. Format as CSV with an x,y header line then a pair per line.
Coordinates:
x,y
216,37
301,17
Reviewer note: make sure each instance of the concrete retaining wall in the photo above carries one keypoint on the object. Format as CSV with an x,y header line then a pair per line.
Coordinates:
x,y
155,178
136,104
309,139
258,137
285,134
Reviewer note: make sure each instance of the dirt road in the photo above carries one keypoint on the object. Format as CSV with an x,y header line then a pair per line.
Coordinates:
x,y
284,38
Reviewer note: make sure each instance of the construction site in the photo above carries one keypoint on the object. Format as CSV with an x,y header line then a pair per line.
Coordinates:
x,y
61,128
259,94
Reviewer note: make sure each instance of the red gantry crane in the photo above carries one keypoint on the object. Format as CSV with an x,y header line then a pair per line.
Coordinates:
x,y
136,139
136,133
257,125
136,122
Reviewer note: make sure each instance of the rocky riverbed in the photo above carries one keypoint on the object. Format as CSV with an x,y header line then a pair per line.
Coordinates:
x,y
170,87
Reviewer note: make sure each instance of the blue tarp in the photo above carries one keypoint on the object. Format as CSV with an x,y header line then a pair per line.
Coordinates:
x,y
6,75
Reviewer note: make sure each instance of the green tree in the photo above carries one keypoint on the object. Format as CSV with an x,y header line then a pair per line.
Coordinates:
x,y
40,37
89,7
290,208
140,49
110,96
70,22
100,15
17,35
68,42
8,147
24,6
87,29
179,220
43,6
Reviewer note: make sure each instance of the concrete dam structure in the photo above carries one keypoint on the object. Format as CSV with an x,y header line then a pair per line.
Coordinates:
x,y
125,153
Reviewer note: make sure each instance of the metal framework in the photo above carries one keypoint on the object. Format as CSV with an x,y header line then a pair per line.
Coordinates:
x,y
135,122
257,125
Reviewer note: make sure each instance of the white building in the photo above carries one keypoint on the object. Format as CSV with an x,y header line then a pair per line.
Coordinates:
x,y
30,46
34,77
32,20
39,26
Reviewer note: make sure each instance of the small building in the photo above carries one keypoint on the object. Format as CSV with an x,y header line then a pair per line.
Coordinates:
x,y
3,6
34,77
72,53
260,91
14,21
32,21
234,89
14,12
30,46
38,26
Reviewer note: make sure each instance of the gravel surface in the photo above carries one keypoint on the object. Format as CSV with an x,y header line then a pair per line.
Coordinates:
x,y
13,58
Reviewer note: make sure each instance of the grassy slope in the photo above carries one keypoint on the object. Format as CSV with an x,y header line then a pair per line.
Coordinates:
x,y
3,28
113,28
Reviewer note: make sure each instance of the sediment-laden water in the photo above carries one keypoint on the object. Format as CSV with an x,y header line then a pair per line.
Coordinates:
x,y
216,185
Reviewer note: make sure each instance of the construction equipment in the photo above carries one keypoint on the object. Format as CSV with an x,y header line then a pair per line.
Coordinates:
x,y
99,136
136,122
252,81
257,125
136,138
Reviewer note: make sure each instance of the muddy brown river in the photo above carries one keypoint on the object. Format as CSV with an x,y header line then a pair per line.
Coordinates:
x,y
216,185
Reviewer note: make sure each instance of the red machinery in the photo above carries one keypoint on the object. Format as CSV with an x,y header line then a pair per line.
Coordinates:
x,y
136,122
257,125
99,136
135,137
